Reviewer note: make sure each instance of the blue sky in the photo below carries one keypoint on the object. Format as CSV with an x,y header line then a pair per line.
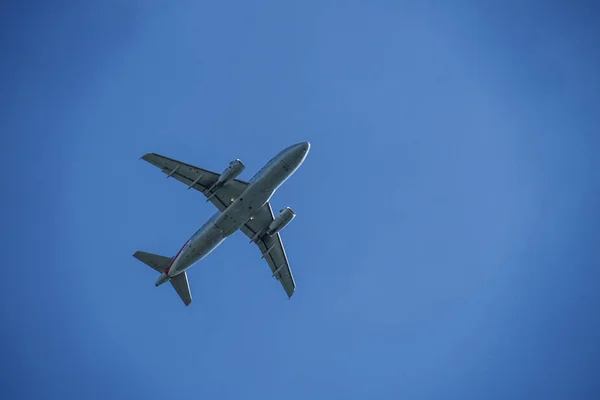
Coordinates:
x,y
446,243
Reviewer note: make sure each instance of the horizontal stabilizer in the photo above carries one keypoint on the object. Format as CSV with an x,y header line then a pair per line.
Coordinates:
x,y
182,287
159,263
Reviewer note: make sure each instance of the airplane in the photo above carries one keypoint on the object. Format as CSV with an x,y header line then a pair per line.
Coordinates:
x,y
241,205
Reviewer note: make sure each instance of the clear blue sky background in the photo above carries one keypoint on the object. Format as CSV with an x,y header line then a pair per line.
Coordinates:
x,y
446,244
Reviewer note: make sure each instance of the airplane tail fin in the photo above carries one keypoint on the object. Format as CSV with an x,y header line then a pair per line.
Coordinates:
x,y
160,264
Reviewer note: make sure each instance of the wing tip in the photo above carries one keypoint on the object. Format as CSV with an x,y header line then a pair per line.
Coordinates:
x,y
146,157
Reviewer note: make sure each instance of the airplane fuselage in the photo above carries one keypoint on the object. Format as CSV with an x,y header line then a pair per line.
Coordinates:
x,y
224,223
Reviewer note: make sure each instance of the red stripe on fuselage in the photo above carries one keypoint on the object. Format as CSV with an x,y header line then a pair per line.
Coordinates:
x,y
175,258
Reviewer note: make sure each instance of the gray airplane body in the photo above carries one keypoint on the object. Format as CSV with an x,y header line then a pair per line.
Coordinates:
x,y
242,206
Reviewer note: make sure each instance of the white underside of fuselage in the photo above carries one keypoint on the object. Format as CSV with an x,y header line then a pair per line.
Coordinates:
x,y
225,223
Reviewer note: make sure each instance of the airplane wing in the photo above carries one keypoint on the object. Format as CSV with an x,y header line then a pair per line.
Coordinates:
x,y
271,247
198,178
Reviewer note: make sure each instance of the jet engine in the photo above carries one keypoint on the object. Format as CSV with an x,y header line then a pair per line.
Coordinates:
x,y
283,219
233,169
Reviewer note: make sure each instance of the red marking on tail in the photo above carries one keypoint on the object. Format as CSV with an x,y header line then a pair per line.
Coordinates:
x,y
175,258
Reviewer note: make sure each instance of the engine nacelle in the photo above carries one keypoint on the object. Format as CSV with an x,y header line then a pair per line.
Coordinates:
x,y
233,169
283,219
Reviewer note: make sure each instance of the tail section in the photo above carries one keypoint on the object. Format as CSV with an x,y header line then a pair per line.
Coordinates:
x,y
182,287
160,264
162,279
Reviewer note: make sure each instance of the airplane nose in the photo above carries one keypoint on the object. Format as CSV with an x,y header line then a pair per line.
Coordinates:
x,y
306,146
302,147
